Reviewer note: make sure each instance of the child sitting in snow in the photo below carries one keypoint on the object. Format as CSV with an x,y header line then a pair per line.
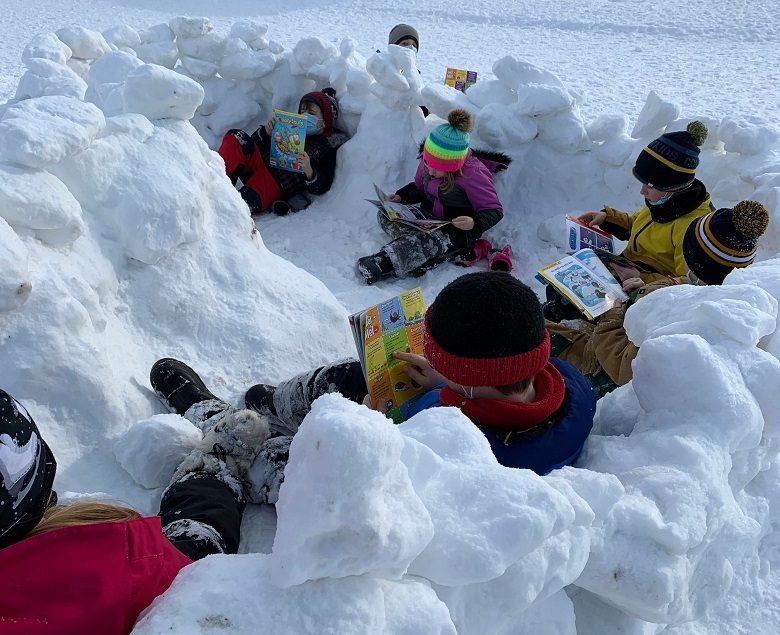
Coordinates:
x,y
673,198
712,247
90,566
486,352
452,183
268,188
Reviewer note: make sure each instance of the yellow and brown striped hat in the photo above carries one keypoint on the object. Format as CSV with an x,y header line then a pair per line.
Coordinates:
x,y
669,162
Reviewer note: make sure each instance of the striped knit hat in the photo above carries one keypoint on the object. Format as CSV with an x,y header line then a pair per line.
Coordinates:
x,y
447,147
724,240
669,163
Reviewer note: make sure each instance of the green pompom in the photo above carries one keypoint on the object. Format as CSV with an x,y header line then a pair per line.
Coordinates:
x,y
750,218
698,132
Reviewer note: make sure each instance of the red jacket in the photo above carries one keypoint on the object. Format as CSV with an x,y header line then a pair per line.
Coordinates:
x,y
85,579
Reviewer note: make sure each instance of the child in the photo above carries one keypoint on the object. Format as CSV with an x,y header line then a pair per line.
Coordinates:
x,y
713,246
268,188
94,567
404,35
673,198
486,352
452,183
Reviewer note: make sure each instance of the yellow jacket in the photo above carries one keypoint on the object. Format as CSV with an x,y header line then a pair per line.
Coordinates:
x,y
656,245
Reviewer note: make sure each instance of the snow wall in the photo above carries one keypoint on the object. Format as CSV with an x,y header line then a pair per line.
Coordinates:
x,y
123,241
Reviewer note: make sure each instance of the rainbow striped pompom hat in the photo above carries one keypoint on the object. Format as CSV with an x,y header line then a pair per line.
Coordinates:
x,y
447,146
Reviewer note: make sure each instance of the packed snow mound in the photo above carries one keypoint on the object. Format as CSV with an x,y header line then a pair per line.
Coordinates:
x,y
123,241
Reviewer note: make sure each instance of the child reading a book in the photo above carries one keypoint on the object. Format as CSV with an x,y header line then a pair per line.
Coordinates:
x,y
713,246
452,183
281,191
486,352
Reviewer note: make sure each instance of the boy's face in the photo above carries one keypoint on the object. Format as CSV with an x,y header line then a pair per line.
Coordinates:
x,y
652,194
310,108
408,43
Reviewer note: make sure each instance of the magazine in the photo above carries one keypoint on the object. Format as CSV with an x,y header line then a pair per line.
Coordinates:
x,y
392,326
585,281
288,138
459,79
581,236
410,215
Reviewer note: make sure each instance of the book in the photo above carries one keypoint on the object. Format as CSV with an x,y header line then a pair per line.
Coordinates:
x,y
288,138
381,330
585,281
581,236
459,79
410,215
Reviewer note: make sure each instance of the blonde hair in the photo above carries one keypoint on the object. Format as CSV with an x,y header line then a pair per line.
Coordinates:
x,y
448,180
82,513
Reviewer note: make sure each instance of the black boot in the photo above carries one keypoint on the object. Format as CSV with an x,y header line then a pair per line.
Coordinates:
x,y
178,386
260,398
375,268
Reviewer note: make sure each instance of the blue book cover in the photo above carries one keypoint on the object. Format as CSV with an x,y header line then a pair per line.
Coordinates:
x,y
288,138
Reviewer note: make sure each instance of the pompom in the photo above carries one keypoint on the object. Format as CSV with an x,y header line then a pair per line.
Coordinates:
x,y
460,119
750,218
330,91
698,132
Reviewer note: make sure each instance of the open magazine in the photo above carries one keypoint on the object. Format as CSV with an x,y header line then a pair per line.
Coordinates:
x,y
288,138
585,281
410,215
459,79
392,326
581,236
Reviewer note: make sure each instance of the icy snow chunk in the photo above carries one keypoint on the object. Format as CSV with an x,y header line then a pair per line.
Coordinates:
x,y
85,44
45,130
536,99
615,151
159,93
45,77
199,69
112,68
490,92
185,27
608,127
152,449
245,63
412,607
80,67
750,136
164,53
564,132
440,99
209,47
41,202
156,33
15,285
514,73
122,36
451,466
655,115
495,126
346,506
250,31
398,82
47,46
309,53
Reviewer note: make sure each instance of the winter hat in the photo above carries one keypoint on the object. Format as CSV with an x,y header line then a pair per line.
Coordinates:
x,y
486,329
27,469
669,163
402,31
326,100
724,240
447,146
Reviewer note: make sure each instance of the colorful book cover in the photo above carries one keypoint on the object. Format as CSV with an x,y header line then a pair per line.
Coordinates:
x,y
395,325
581,236
410,215
288,138
459,79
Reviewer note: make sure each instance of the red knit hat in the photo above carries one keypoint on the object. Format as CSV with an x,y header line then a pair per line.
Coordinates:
x,y
486,329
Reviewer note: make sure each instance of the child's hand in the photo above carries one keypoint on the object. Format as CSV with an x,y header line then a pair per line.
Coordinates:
x,y
632,283
623,272
464,223
394,198
419,370
379,407
268,126
305,162
592,218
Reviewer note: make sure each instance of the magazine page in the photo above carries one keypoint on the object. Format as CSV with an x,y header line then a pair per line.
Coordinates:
x,y
581,236
584,288
460,79
288,138
407,214
392,326
592,261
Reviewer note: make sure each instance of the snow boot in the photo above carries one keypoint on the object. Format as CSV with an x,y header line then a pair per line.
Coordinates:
x,y
375,268
558,307
267,473
182,390
252,200
298,202
501,260
479,250
260,398
280,208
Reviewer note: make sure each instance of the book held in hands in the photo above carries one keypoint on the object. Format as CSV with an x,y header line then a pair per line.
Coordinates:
x,y
460,79
582,236
288,138
410,215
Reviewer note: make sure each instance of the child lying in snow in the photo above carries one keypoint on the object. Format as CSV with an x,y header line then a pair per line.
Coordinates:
x,y
712,247
452,183
62,559
486,352
268,188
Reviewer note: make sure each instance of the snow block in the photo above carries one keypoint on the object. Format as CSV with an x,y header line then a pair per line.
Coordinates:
x,y
122,37
515,73
159,93
47,46
84,43
15,285
750,136
655,115
45,77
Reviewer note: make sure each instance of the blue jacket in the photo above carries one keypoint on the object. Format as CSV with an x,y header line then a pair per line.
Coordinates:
x,y
560,445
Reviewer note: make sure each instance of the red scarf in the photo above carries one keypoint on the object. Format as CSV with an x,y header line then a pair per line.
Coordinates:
x,y
513,415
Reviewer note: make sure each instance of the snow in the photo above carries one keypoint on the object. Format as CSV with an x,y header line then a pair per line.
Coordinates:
x,y
123,241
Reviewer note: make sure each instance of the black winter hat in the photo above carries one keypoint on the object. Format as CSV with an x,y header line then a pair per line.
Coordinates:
x,y
326,100
27,469
669,163
402,31
486,329
724,240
